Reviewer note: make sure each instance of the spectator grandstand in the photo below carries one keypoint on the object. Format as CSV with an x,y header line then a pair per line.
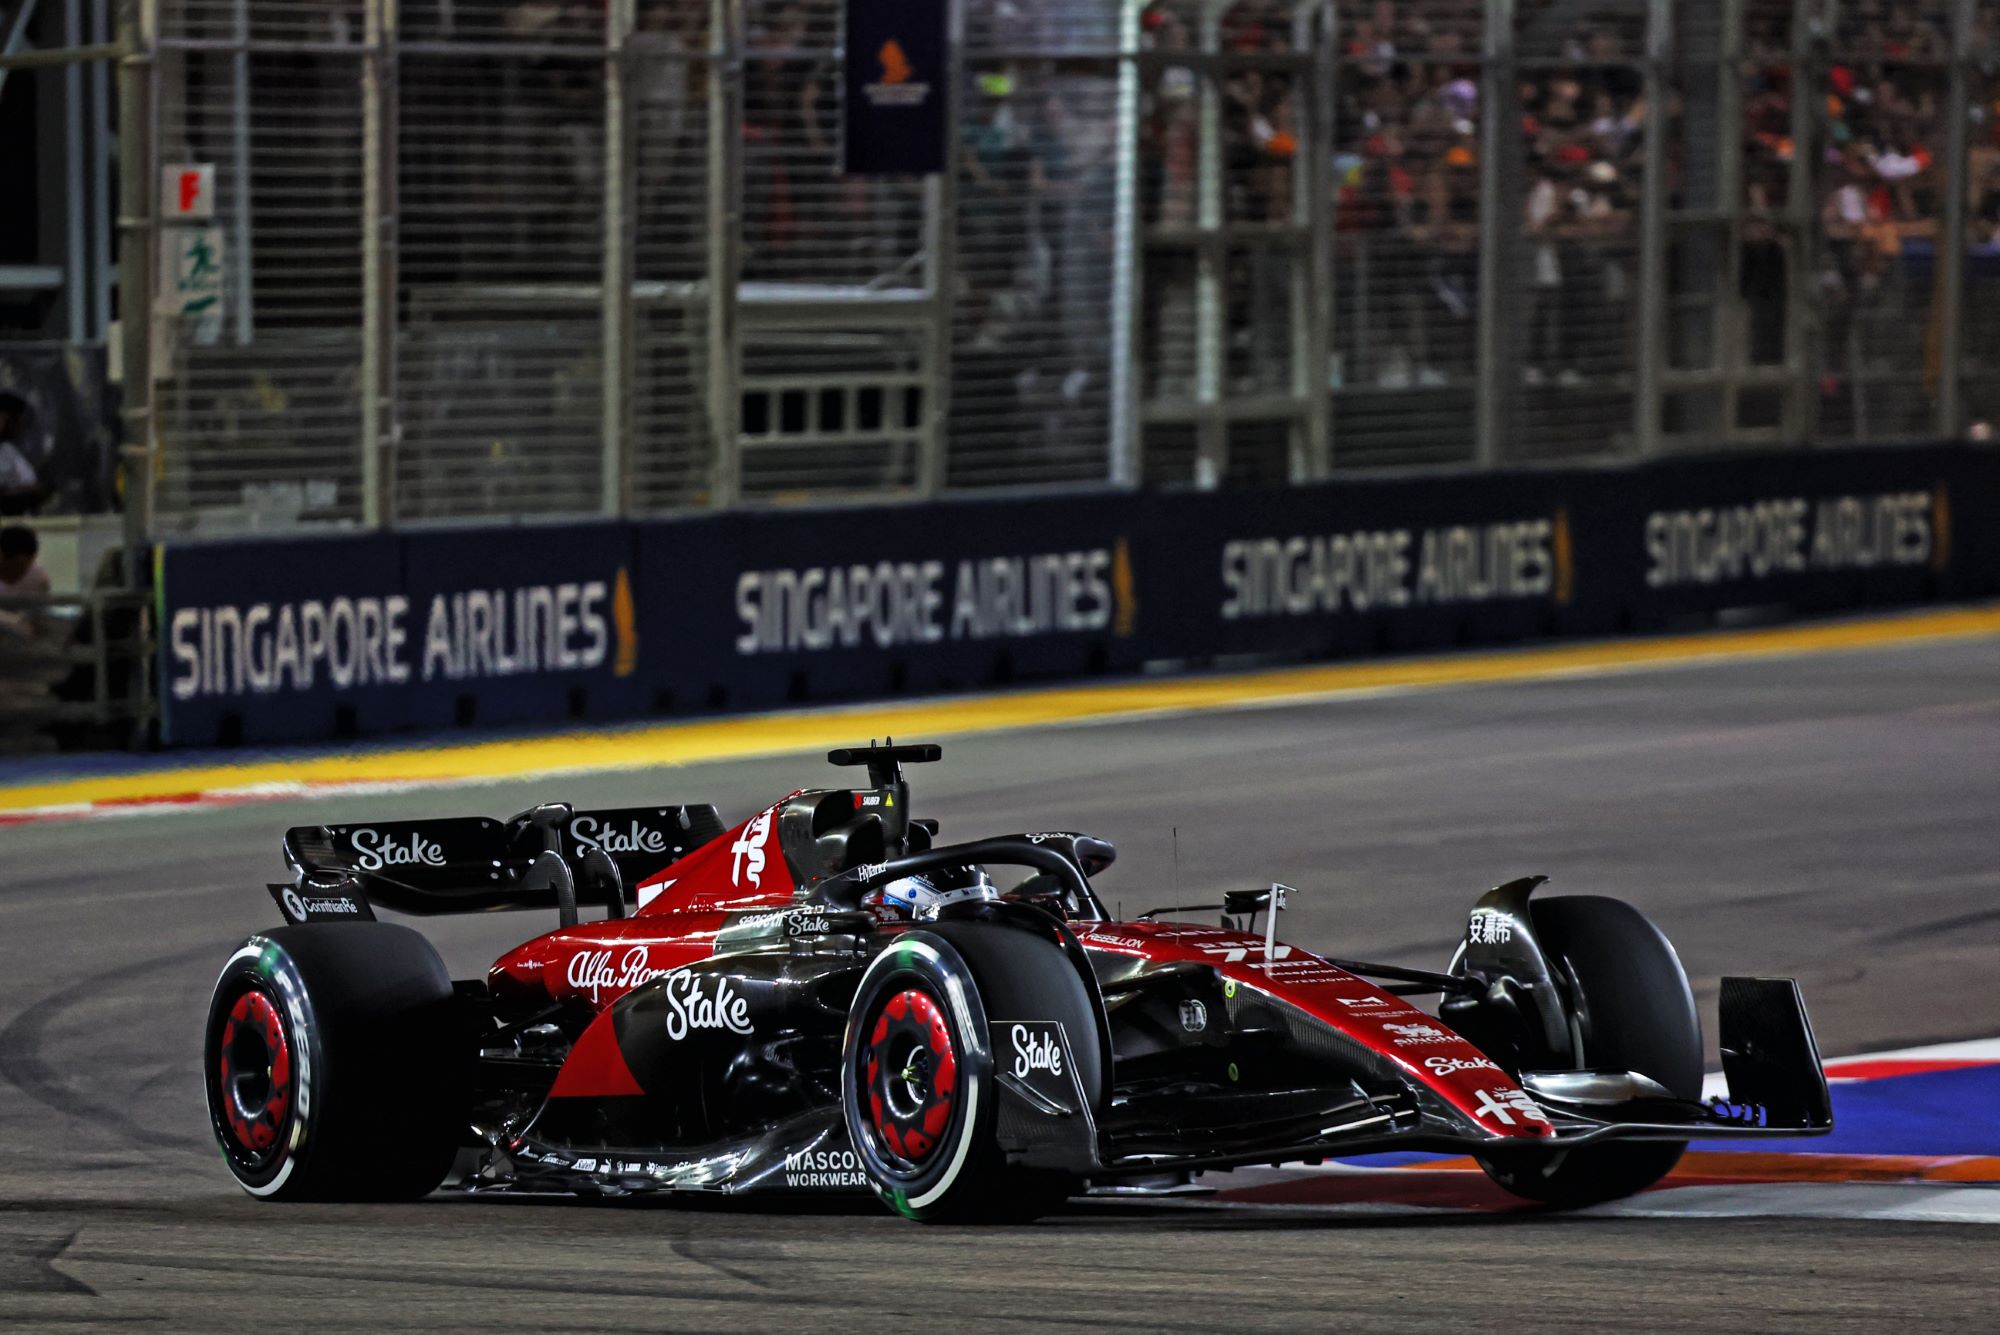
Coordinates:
x,y
1183,242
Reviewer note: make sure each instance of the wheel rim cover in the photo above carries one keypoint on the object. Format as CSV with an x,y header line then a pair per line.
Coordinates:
x,y
255,1074
910,1073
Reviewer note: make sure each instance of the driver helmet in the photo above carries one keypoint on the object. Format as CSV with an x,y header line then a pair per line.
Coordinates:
x,y
924,896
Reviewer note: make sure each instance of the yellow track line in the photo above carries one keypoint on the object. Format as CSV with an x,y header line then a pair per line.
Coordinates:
x,y
769,734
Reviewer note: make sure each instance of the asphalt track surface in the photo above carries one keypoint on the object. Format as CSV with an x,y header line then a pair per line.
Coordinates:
x,y
1836,817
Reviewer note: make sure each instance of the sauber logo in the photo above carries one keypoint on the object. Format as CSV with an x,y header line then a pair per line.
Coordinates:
x,y
374,851
1412,1035
747,853
589,832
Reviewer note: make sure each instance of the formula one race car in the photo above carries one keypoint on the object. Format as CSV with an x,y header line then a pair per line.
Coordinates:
x,y
824,999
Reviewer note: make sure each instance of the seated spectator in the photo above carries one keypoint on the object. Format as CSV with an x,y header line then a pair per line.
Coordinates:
x,y
21,488
21,576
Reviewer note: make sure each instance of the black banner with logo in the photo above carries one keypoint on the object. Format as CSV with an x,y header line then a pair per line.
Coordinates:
x,y
896,87
271,640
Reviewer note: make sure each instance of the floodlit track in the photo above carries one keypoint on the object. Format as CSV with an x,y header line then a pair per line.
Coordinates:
x,y
1835,817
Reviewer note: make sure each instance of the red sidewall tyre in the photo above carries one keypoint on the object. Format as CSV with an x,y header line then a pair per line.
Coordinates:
x,y
970,973
956,1163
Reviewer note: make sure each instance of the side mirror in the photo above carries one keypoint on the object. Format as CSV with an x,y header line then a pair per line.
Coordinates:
x,y
1249,903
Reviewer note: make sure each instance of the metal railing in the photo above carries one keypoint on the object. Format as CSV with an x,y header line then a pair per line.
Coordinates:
x,y
495,258
75,669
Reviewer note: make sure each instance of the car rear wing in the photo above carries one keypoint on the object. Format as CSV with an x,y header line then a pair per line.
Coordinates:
x,y
549,857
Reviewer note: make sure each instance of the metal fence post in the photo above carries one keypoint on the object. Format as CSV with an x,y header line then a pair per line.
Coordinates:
x,y
378,268
725,220
1731,320
76,263
1211,265
1128,263
620,166
104,257
941,266
1314,32
1499,223
1805,328
137,28
1949,317
1653,234
241,260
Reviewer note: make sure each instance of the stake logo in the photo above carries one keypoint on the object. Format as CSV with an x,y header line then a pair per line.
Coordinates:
x,y
692,1008
374,851
1036,1052
589,832
1452,1065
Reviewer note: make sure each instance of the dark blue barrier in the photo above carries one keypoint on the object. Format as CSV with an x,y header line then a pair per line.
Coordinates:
x,y
788,606
525,624
294,639
267,640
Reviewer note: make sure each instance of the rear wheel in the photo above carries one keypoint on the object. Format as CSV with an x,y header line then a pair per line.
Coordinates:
x,y
335,1064
919,1090
1634,1011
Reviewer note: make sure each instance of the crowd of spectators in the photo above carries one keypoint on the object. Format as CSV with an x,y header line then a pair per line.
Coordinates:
x,y
1406,159
1037,168
1874,140
1406,168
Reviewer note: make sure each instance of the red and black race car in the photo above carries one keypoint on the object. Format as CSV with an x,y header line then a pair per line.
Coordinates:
x,y
825,998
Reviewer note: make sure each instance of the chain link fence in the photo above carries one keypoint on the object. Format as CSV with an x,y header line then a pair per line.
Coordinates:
x,y
525,258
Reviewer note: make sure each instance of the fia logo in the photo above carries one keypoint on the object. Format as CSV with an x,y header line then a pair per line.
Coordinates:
x,y
1194,1016
747,853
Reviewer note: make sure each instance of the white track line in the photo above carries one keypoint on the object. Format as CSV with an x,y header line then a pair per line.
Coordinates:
x,y
1922,1203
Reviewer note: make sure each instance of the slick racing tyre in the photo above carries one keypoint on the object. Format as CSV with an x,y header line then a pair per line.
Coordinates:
x,y
918,1078
1634,1011
336,1065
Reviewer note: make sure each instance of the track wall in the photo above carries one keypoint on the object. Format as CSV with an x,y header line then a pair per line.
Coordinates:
x,y
304,638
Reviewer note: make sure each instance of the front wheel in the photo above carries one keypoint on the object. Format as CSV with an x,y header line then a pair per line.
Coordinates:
x,y
918,1084
1634,1011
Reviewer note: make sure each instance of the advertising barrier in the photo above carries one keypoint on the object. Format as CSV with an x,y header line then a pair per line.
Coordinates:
x,y
266,640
